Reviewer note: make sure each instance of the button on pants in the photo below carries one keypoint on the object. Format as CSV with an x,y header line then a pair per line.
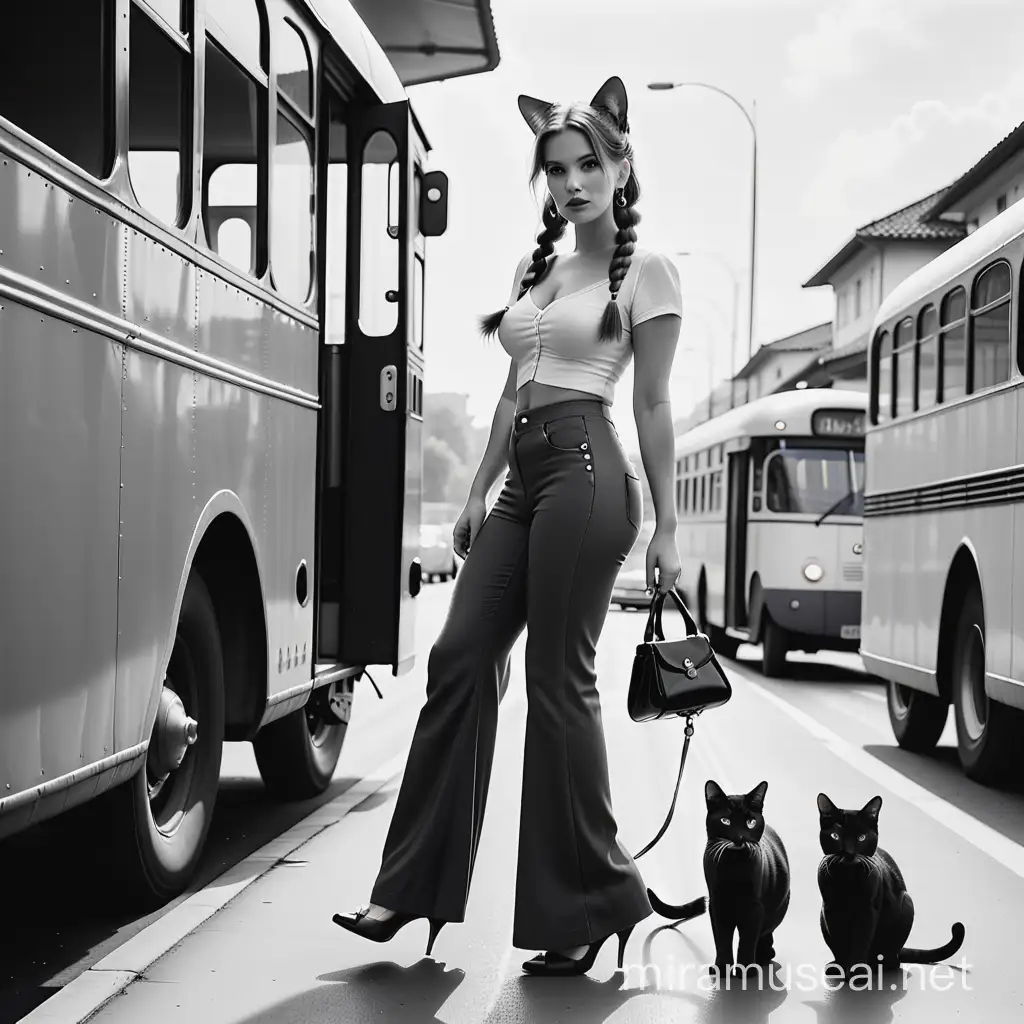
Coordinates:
x,y
545,559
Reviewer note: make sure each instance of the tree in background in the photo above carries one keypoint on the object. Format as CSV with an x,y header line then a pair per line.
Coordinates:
x,y
452,447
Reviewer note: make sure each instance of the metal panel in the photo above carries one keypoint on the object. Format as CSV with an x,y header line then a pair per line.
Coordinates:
x,y
60,428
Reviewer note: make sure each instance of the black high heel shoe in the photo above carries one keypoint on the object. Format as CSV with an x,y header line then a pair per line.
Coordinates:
x,y
552,963
377,930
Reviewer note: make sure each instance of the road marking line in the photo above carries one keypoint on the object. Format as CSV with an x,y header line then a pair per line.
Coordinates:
x,y
977,833
90,991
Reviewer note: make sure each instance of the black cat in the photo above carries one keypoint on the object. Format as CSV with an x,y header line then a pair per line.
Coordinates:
x,y
866,911
747,872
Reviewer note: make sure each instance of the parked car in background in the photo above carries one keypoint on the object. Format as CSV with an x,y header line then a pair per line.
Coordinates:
x,y
631,589
437,551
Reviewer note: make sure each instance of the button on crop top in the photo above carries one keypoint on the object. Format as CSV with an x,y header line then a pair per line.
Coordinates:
x,y
559,345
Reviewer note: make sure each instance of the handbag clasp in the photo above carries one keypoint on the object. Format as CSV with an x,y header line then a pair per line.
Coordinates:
x,y
690,670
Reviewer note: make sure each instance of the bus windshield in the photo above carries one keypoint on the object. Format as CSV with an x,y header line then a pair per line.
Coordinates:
x,y
814,480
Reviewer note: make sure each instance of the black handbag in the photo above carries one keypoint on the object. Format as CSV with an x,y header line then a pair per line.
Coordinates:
x,y
674,679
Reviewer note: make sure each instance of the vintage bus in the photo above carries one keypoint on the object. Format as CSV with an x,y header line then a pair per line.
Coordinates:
x,y
769,500
213,224
943,515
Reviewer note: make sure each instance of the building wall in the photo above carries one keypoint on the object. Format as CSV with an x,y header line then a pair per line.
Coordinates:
x,y
858,294
1002,188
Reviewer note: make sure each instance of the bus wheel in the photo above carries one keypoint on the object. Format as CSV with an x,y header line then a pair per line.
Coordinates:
x,y
986,730
774,645
170,800
723,644
297,754
917,718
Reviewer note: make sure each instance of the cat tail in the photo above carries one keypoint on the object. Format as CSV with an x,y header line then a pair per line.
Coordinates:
x,y
933,956
684,912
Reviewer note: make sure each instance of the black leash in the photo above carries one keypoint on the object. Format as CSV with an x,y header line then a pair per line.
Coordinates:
x,y
679,779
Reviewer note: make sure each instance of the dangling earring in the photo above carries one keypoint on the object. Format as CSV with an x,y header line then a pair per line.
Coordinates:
x,y
620,199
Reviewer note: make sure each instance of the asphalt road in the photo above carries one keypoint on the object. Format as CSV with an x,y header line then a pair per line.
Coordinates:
x,y
272,953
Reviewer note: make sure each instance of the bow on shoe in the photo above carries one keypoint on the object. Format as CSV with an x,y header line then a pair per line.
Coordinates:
x,y
611,98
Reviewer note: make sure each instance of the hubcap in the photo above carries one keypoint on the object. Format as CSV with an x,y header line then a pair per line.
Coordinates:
x,y
171,760
173,733
899,698
329,707
973,699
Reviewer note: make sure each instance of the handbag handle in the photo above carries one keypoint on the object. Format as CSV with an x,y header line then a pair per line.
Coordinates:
x,y
654,627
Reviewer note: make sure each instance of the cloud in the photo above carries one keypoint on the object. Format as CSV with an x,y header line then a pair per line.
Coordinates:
x,y
930,145
839,41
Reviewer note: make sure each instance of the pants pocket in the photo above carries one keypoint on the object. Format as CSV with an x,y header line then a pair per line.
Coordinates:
x,y
568,434
634,501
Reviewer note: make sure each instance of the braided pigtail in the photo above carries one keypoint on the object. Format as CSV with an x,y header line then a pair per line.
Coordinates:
x,y
554,229
626,219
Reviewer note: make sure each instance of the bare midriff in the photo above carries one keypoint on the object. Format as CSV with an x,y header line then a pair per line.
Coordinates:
x,y
533,394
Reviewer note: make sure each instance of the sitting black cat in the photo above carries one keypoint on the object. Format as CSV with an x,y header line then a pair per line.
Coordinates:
x,y
866,911
747,872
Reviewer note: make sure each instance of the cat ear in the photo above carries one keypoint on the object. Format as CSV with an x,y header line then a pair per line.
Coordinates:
x,y
825,806
612,97
535,111
872,807
756,796
713,793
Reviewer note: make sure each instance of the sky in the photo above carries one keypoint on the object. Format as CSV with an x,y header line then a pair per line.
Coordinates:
x,y
861,107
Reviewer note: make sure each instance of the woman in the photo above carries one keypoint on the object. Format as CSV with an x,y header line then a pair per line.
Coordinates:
x,y
546,558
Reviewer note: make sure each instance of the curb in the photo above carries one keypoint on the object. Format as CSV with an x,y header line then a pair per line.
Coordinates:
x,y
85,995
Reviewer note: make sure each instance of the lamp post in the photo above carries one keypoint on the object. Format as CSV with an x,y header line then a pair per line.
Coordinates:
x,y
753,188
727,267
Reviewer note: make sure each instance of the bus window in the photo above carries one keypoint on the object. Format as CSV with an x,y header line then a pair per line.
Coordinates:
x,y
883,379
159,84
172,11
953,346
378,316
337,231
990,307
903,367
812,481
291,235
927,357
57,77
294,66
234,112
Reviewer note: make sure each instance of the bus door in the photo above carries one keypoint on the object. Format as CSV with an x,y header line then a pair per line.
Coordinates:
x,y
736,540
371,436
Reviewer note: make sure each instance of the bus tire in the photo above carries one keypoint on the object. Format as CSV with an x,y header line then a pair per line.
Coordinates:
x,y
162,824
297,754
723,644
774,647
986,730
917,718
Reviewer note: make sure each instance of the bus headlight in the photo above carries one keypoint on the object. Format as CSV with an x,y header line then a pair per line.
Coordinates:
x,y
813,572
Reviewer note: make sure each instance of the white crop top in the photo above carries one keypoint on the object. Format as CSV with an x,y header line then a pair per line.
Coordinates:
x,y
559,345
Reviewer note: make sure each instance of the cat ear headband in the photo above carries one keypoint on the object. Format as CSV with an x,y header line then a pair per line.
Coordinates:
x,y
611,98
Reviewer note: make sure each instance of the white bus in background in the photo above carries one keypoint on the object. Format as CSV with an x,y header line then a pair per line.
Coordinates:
x,y
769,503
944,511
213,224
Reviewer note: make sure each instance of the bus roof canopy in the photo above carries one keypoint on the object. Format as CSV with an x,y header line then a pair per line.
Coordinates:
x,y
427,41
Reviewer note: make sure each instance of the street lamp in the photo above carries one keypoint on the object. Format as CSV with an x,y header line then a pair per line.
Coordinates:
x,y
658,86
727,267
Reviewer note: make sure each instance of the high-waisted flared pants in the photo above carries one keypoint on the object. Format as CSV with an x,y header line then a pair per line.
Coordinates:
x,y
545,559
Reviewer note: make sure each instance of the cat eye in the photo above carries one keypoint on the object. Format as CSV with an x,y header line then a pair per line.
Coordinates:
x,y
724,821
860,839
835,835
751,823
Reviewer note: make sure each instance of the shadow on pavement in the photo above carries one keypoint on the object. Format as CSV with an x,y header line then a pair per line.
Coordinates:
x,y
939,772
848,1006
381,991
67,911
